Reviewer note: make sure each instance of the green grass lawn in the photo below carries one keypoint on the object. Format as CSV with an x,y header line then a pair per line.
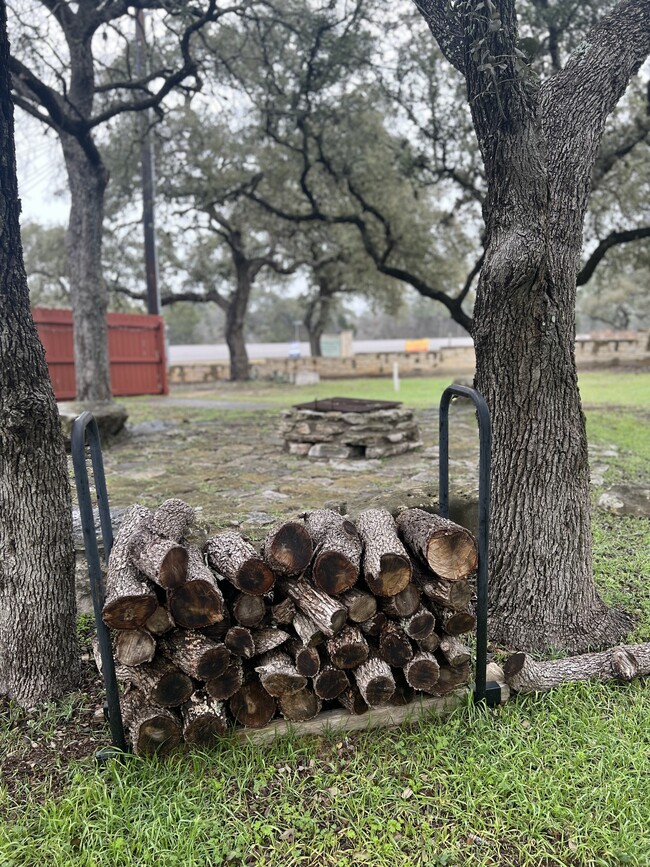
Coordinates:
x,y
555,779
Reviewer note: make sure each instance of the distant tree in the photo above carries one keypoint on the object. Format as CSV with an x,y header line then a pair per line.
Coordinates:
x,y
39,657
73,68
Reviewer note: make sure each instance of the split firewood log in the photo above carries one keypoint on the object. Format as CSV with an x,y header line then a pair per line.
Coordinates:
x,y
402,604
448,549
420,624
225,685
239,641
307,631
160,621
306,659
330,682
423,672
195,654
248,610
278,675
252,705
130,599
454,622
359,604
374,626
198,602
386,564
394,645
337,551
236,559
173,520
348,648
454,651
623,662
300,706
204,720
375,681
269,639
161,682
283,612
151,730
288,549
134,647
353,701
328,614
161,560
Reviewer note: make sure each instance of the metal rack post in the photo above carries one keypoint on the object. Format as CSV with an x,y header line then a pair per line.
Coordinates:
x,y
488,693
85,426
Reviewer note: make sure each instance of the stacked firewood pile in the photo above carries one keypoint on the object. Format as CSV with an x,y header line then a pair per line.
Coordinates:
x,y
363,614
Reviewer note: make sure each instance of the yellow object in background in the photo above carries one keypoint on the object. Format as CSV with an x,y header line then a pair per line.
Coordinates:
x,y
421,345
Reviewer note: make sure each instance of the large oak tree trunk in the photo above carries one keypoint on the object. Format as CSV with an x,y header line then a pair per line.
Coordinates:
x,y
539,145
38,648
87,181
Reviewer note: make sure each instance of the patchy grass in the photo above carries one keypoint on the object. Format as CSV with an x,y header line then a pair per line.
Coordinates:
x,y
556,779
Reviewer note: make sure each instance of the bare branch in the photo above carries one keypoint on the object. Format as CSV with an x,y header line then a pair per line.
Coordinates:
x,y
612,240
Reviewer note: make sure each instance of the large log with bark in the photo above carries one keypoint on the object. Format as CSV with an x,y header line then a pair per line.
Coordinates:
x,y
225,685
375,681
173,520
326,613
288,549
134,647
348,648
525,674
423,672
386,565
252,705
337,551
394,645
236,559
195,654
161,560
151,730
130,599
447,548
300,706
198,602
204,720
278,675
161,682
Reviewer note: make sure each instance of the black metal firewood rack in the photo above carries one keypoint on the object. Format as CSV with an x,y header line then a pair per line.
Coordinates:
x,y
85,431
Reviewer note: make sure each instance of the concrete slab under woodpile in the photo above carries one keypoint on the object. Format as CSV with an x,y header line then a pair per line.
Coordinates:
x,y
347,428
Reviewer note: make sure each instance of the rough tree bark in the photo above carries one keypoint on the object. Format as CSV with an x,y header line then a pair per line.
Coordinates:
x,y
539,145
39,657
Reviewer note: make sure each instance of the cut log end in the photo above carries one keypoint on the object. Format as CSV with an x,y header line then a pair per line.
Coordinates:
x,y
252,705
393,577
173,569
334,573
289,550
452,555
196,604
129,612
255,577
157,735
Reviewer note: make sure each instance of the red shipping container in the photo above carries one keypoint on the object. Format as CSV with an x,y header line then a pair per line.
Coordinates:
x,y
136,350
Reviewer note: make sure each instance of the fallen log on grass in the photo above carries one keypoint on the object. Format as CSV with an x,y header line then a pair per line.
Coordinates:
x,y
525,674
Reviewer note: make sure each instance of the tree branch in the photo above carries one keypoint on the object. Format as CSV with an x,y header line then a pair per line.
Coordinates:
x,y
612,240
443,23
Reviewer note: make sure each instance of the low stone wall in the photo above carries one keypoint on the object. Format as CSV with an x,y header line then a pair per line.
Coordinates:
x,y
453,360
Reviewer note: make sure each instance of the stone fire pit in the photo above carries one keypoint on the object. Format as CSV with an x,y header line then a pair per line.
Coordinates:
x,y
343,427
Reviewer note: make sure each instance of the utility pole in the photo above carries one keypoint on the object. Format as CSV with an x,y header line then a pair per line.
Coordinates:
x,y
147,167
